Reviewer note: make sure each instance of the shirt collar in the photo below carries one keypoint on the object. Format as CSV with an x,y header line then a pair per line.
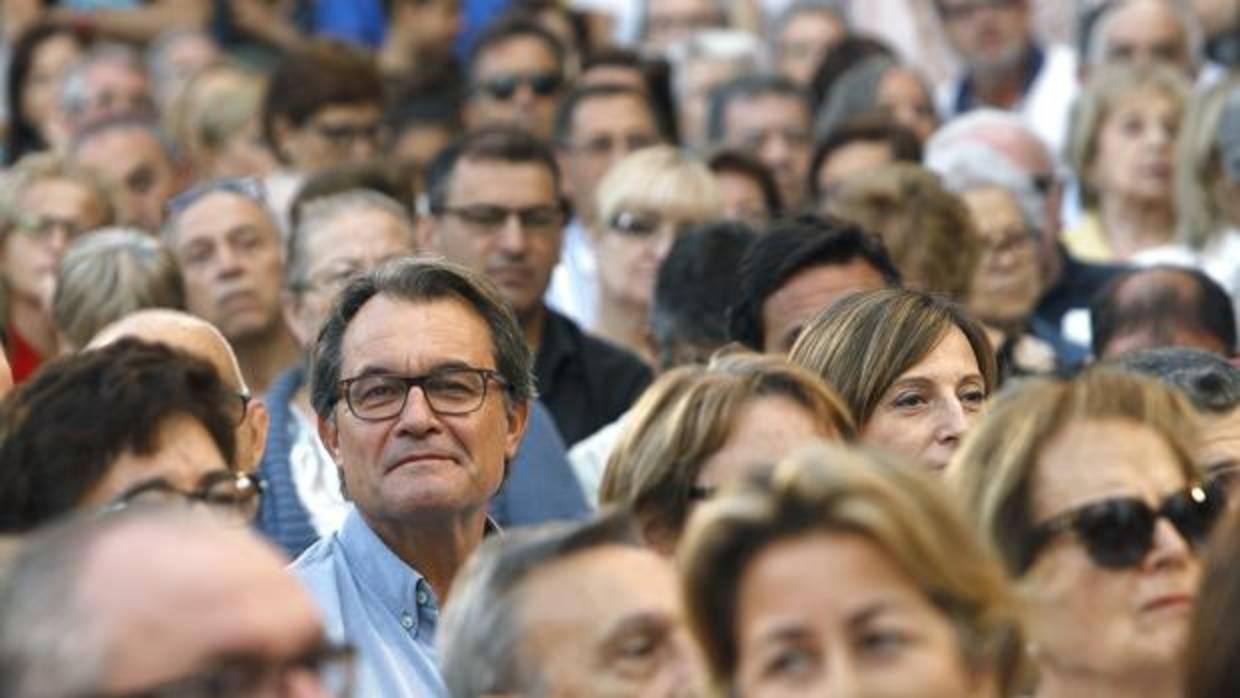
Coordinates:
x,y
398,586
1033,60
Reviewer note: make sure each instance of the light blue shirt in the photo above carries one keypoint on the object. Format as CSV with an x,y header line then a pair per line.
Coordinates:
x,y
373,601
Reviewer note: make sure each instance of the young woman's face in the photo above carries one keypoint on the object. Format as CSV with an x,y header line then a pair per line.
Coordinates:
x,y
48,65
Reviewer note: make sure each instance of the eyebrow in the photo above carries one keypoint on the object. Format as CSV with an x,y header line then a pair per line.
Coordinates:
x,y
378,370
645,620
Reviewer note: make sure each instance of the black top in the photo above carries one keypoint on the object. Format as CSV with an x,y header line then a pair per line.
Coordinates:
x,y
1077,286
586,382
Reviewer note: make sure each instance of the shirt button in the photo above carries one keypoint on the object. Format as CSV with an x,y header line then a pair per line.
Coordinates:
x,y
422,597
406,621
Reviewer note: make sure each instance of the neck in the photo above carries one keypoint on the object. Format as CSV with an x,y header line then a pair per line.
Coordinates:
x,y
1001,85
31,321
398,52
264,356
1071,683
532,323
621,323
1132,224
436,545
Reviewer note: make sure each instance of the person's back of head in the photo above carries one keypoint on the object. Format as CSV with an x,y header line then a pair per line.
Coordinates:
x,y
689,311
890,142
1162,306
1211,382
786,250
110,274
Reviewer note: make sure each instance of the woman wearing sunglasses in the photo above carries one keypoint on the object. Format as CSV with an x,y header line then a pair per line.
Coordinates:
x,y
1089,494
845,575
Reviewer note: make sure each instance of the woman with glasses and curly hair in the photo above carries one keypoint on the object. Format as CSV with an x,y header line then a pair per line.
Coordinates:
x,y
1088,491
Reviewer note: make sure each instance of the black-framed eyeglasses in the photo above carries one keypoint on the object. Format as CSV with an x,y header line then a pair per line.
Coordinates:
x,y
41,226
222,491
343,136
452,392
488,219
1118,533
504,87
331,665
249,187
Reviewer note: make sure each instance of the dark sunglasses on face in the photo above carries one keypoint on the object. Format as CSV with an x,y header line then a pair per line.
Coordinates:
x,y
503,87
1118,533
644,225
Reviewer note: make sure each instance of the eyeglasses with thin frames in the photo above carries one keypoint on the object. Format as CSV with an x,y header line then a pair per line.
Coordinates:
x,y
222,491
486,219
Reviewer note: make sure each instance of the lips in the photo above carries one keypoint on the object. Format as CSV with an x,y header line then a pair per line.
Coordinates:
x,y
1169,602
511,276
235,299
419,458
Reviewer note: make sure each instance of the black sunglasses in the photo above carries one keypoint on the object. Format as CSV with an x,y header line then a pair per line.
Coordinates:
x,y
1118,533
503,87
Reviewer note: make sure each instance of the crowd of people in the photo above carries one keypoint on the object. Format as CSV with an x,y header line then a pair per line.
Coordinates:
x,y
682,348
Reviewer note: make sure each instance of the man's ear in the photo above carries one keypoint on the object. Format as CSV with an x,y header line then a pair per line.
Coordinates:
x,y
254,428
518,420
329,434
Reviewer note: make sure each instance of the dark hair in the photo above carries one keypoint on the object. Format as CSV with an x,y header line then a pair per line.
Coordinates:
x,y
848,52
388,178
655,71
576,20
505,144
324,73
1210,668
418,281
694,285
509,28
787,249
563,128
731,161
61,432
1208,380
867,128
424,99
23,136
747,87
1172,298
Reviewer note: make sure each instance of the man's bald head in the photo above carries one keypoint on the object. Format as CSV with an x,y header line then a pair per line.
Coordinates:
x,y
1159,307
179,330
131,601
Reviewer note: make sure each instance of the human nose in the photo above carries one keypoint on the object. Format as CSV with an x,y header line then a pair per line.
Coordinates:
x,y
776,149
417,416
843,679
512,237
953,421
1170,550
303,684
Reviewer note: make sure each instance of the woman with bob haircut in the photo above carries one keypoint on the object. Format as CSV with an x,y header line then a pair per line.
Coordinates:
x,y
699,427
1088,491
915,606
914,369
643,203
1121,145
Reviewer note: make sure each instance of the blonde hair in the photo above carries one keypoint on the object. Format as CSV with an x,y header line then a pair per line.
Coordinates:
x,y
658,178
38,167
994,467
1094,105
927,229
900,511
687,415
1197,165
109,274
863,343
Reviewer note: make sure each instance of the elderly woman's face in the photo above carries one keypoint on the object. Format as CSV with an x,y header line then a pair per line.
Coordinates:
x,y
54,212
1008,280
927,410
1135,156
1110,621
632,244
767,429
870,632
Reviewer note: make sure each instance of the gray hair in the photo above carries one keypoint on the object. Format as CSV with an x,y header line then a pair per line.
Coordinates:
x,y
835,8
480,636
109,274
74,90
1208,380
716,45
1094,48
853,93
318,213
421,280
971,165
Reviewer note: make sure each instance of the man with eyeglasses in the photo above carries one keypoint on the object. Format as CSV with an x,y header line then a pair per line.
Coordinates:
x,y
158,602
228,246
128,423
516,76
323,107
421,383
512,234
1005,67
596,126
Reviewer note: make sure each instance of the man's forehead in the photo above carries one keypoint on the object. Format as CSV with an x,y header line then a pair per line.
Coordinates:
x,y
524,46
477,177
448,329
222,211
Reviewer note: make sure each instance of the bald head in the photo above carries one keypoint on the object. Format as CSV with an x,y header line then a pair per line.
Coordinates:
x,y
179,330
1160,307
148,597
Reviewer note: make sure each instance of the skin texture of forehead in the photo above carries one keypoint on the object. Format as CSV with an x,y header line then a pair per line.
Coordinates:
x,y
179,330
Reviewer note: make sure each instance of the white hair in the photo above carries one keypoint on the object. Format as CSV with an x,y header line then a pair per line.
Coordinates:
x,y
717,45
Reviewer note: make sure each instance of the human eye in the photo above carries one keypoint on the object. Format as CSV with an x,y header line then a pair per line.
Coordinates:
x,y
246,239
141,180
198,254
454,385
973,395
541,217
882,642
789,661
377,390
908,399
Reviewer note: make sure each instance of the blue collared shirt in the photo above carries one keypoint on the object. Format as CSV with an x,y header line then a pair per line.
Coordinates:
x,y
380,606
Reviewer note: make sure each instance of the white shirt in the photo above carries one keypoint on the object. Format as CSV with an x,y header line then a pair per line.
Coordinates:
x,y
315,477
574,282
